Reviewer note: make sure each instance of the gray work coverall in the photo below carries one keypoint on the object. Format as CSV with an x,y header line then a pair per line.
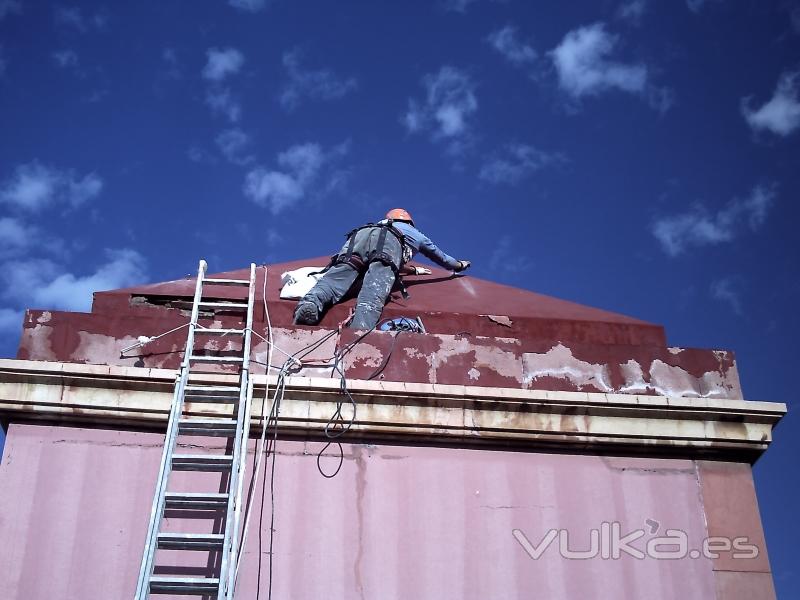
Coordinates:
x,y
379,278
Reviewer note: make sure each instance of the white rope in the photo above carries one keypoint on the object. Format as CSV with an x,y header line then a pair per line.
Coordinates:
x,y
261,442
143,339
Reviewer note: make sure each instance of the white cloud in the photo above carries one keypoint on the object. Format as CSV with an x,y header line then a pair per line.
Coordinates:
x,y
699,227
632,10
35,186
506,43
459,6
171,65
71,17
727,290
9,7
273,237
660,98
65,58
321,84
300,169
200,155
585,69
222,63
96,96
234,143
449,105
504,258
795,18
79,191
15,236
781,114
222,101
251,6
18,238
515,163
695,5
43,284
10,320
169,56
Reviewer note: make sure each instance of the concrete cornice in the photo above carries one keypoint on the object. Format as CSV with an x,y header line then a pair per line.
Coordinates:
x,y
410,412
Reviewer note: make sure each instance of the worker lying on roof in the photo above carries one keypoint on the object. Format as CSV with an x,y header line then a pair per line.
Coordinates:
x,y
379,252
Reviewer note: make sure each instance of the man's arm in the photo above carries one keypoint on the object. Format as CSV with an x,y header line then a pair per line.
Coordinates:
x,y
422,243
433,252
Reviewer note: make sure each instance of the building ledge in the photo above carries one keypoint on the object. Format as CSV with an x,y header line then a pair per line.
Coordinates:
x,y
409,412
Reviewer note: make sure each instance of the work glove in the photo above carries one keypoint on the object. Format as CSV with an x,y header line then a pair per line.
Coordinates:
x,y
463,265
421,270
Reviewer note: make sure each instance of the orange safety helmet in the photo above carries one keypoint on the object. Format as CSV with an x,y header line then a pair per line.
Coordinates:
x,y
399,214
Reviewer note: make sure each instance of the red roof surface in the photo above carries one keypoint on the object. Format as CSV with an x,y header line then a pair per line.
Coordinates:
x,y
446,304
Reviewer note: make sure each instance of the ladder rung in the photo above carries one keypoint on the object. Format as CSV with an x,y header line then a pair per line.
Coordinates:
x,y
226,281
213,427
183,585
223,305
190,541
201,331
201,462
218,393
209,304
197,399
195,500
217,359
211,389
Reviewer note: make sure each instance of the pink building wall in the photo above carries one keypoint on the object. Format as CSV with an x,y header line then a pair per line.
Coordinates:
x,y
396,522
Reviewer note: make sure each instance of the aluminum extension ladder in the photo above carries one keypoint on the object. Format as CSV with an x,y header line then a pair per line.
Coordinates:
x,y
236,426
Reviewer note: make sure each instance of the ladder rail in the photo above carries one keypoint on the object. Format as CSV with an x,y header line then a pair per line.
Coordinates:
x,y
157,508
243,431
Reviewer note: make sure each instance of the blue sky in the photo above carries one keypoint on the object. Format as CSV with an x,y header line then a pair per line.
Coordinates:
x,y
639,156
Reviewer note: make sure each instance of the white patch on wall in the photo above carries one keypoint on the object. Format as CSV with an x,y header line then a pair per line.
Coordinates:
x,y
669,380
502,362
559,363
100,349
294,340
412,352
36,340
365,355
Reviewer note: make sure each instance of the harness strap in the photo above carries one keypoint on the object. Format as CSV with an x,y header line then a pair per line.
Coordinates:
x,y
381,243
350,245
378,255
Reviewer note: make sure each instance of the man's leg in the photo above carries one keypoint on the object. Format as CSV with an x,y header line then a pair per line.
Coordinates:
x,y
377,285
327,291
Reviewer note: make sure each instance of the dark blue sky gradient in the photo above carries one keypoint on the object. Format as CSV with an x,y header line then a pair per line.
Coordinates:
x,y
129,105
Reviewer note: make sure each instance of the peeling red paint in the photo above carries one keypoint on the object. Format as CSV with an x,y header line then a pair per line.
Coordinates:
x,y
542,337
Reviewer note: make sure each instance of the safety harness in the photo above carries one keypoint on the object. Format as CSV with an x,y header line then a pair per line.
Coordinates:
x,y
376,255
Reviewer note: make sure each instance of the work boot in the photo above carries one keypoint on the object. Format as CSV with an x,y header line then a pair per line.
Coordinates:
x,y
306,313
